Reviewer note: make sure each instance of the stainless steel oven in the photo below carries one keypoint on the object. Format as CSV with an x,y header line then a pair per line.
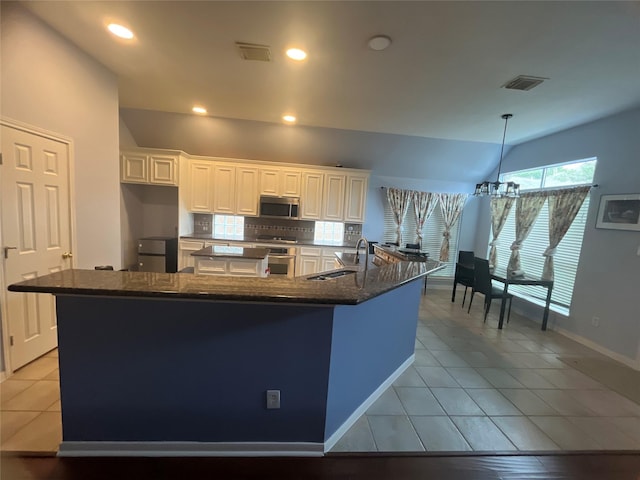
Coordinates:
x,y
282,261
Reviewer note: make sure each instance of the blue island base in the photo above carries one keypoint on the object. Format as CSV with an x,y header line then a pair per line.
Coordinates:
x,y
144,376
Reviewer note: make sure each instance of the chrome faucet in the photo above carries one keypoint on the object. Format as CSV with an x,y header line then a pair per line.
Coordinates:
x,y
366,246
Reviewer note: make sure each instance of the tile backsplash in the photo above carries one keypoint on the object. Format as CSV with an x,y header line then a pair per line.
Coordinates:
x,y
303,230
352,232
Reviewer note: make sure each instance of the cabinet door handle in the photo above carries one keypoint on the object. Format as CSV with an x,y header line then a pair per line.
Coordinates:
x,y
6,251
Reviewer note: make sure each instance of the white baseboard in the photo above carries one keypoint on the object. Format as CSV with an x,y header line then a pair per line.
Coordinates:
x,y
532,311
348,423
190,449
635,364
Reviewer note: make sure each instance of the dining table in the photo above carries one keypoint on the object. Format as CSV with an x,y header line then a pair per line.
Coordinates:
x,y
503,276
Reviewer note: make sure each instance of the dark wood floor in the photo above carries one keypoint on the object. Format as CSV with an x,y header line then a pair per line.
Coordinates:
x,y
597,466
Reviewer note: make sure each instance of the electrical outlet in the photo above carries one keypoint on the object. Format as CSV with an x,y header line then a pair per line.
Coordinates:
x,y
595,321
273,399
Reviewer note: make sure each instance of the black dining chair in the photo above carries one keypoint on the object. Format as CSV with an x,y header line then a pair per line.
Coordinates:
x,y
463,275
413,246
482,284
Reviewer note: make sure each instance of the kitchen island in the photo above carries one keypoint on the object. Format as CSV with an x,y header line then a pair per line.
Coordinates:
x,y
180,364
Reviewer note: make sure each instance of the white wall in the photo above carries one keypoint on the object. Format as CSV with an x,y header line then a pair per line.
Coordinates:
x,y
608,277
49,83
130,207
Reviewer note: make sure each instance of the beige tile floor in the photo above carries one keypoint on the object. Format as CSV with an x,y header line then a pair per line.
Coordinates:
x,y
472,387
30,408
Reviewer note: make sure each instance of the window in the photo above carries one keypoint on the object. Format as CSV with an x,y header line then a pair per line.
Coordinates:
x,y
329,232
228,226
566,257
431,235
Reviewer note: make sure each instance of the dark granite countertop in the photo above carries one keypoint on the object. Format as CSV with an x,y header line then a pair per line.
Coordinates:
x,y
350,289
232,252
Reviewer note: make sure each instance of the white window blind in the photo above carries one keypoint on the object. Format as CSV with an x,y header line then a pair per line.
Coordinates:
x,y
431,235
531,260
568,252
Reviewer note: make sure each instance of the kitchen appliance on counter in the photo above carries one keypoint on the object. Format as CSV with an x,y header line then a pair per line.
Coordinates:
x,y
158,254
280,207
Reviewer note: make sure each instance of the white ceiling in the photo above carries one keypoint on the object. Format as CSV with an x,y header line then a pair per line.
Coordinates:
x,y
440,78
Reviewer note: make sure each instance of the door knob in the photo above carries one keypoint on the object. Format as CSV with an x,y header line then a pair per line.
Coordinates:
x,y
67,255
6,251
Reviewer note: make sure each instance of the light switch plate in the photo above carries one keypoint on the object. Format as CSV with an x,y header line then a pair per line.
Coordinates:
x,y
273,399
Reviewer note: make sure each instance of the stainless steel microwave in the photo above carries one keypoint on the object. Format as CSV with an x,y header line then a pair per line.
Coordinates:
x,y
280,207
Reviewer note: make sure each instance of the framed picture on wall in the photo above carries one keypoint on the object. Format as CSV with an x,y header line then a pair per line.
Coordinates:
x,y
619,212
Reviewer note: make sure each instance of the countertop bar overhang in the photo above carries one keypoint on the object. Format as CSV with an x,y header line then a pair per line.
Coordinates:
x,y
348,290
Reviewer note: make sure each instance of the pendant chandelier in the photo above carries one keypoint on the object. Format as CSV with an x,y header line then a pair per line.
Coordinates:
x,y
498,188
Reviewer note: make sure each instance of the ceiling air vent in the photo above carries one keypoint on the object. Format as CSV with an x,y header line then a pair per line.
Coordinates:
x,y
524,82
251,51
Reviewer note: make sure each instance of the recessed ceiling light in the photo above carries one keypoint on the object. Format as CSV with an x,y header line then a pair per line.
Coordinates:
x,y
200,110
289,118
379,42
120,31
296,54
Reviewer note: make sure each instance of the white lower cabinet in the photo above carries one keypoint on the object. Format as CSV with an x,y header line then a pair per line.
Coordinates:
x,y
317,259
307,265
235,267
185,249
309,260
328,263
329,260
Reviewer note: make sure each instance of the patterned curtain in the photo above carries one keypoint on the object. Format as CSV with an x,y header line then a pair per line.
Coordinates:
x,y
399,202
528,207
451,205
423,205
563,205
500,208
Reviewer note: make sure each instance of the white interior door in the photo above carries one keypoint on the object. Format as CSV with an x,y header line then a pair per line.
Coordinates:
x,y
36,235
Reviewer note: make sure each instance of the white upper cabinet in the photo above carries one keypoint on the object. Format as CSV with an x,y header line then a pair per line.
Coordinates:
x,y
270,181
224,200
355,198
200,187
290,183
280,182
149,168
333,197
134,168
224,186
311,195
247,191
163,170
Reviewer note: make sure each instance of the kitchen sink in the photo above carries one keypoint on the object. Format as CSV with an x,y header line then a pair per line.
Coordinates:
x,y
332,275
